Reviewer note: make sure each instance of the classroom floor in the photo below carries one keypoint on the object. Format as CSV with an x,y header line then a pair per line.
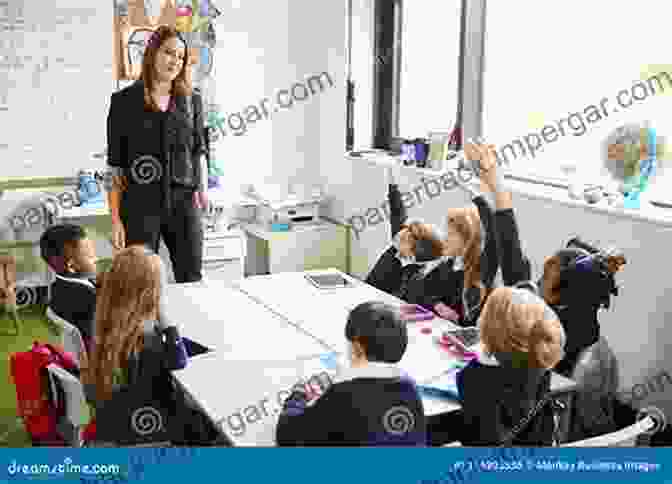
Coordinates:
x,y
34,327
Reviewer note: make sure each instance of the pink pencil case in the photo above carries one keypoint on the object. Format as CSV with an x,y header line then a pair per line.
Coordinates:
x,y
415,312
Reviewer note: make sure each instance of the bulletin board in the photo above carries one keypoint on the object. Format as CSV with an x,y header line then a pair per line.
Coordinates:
x,y
135,20
56,76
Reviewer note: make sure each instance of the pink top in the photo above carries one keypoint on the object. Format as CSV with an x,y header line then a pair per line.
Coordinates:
x,y
164,101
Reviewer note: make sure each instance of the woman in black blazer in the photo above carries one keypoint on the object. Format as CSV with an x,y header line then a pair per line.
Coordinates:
x,y
155,145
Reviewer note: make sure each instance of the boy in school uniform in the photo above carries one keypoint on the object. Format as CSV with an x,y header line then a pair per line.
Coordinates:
x,y
372,402
69,252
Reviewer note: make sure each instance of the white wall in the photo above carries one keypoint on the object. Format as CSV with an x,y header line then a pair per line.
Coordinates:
x,y
294,40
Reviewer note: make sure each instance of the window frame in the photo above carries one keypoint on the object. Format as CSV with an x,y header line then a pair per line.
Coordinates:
x,y
387,34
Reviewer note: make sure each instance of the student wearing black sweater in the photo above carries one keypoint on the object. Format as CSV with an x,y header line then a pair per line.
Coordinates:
x,y
72,256
371,403
577,283
522,338
134,350
448,273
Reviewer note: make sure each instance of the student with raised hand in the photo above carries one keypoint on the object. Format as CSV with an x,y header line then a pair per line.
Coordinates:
x,y
471,245
573,284
426,266
372,402
505,391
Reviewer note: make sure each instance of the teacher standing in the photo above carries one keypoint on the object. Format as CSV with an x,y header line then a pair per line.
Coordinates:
x,y
155,147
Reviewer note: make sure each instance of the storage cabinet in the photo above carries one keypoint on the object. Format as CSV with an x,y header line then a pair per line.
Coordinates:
x,y
223,256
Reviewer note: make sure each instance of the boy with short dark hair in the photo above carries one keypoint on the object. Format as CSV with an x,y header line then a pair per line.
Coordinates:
x,y
370,403
72,256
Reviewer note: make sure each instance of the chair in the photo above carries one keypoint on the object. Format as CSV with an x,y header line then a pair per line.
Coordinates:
x,y
453,444
596,375
8,291
71,338
627,437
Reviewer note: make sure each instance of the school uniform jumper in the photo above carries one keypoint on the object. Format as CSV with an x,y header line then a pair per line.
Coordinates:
x,y
144,386
496,394
377,405
437,281
73,299
160,153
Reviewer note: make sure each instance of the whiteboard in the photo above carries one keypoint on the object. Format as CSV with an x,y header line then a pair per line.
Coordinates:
x,y
545,61
56,79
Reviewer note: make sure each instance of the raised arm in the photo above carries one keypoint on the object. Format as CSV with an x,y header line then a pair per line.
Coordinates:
x,y
515,266
398,213
484,201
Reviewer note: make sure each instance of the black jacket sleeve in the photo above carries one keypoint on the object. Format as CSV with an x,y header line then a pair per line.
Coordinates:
x,y
200,145
489,258
398,213
116,152
174,354
301,425
515,266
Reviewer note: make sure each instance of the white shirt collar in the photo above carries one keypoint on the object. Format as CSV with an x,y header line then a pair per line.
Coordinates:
x,y
371,370
78,280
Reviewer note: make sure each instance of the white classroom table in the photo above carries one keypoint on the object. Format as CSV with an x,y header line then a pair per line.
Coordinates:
x,y
320,312
247,412
253,375
247,399
225,320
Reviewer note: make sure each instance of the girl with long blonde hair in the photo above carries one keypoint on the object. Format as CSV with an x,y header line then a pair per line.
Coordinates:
x,y
134,349
505,392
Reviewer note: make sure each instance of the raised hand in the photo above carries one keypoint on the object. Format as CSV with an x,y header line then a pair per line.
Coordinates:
x,y
486,156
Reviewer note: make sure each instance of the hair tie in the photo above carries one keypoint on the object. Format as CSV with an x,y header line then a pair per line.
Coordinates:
x,y
153,40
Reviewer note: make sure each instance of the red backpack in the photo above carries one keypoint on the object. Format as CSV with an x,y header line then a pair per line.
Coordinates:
x,y
33,394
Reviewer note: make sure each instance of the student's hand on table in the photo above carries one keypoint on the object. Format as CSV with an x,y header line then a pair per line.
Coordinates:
x,y
446,312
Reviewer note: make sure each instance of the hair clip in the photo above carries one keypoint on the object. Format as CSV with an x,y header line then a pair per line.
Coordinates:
x,y
153,40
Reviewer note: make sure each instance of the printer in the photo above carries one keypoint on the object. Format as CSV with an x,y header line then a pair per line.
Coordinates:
x,y
278,210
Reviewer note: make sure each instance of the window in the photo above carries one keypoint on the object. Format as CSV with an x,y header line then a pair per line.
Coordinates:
x,y
560,78
405,58
429,77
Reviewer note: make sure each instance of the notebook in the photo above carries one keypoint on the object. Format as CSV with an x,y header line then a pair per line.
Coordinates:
x,y
444,386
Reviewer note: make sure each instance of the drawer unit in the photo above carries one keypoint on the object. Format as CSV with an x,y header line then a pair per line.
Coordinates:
x,y
223,256
223,270
223,248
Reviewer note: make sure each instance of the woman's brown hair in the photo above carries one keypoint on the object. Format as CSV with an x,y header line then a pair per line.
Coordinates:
x,y
182,83
129,295
467,223
522,330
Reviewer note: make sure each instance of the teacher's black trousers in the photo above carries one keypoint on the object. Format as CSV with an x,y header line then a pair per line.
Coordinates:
x,y
180,227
